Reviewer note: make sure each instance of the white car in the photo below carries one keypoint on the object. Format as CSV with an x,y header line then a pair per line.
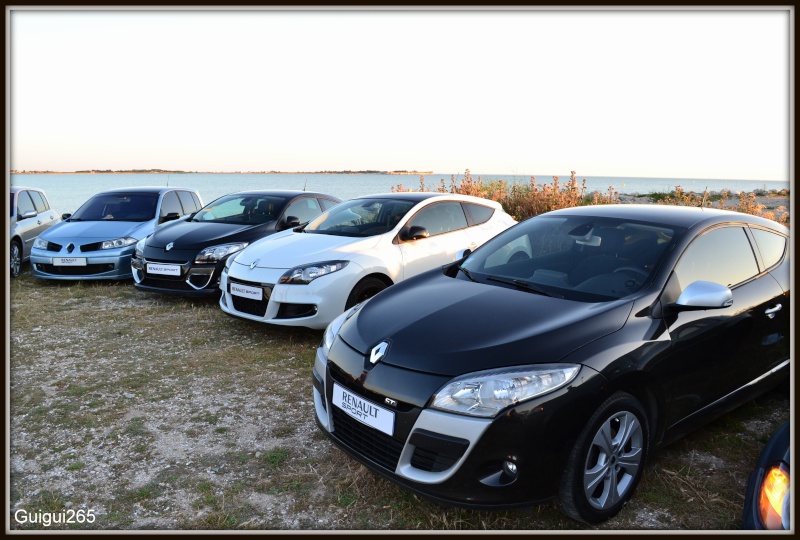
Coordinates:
x,y
309,275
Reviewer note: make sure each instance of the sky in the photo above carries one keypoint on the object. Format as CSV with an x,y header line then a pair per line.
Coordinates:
x,y
650,93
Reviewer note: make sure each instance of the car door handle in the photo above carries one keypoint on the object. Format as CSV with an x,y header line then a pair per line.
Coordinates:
x,y
772,311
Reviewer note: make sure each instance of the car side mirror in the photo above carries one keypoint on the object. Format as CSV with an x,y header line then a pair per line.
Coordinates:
x,y
463,254
27,215
703,295
289,222
172,216
415,232
65,217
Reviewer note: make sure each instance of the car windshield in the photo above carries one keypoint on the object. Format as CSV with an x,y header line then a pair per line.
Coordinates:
x,y
118,207
361,217
574,257
251,209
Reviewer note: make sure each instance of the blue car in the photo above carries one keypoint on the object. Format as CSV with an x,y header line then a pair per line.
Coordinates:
x,y
97,241
768,499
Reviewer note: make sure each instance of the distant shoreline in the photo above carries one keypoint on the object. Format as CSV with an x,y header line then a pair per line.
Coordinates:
x,y
159,171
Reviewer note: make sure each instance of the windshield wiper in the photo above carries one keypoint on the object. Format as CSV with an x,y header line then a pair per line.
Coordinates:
x,y
523,285
466,273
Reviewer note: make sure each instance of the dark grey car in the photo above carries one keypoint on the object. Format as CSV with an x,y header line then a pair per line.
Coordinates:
x,y
31,215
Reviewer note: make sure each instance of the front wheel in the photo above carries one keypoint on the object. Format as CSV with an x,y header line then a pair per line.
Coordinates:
x,y
607,462
15,257
364,289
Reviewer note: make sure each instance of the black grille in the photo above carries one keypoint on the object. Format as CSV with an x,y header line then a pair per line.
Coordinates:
x,y
257,308
366,441
431,461
294,311
52,246
91,247
175,283
87,270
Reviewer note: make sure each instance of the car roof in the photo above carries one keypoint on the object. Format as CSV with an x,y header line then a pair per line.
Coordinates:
x,y
418,196
144,189
17,189
281,192
680,216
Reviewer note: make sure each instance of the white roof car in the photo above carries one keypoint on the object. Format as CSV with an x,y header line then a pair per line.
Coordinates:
x,y
309,275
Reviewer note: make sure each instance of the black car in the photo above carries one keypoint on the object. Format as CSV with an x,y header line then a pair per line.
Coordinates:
x,y
187,257
767,503
551,361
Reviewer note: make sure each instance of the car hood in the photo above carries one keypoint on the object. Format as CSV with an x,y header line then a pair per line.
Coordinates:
x,y
197,235
298,248
96,231
445,326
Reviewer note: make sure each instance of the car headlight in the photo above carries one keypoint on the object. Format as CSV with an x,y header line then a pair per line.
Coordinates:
x,y
773,498
118,242
40,243
310,272
332,331
486,393
138,251
215,254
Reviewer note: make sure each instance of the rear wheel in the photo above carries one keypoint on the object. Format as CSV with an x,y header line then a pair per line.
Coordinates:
x,y
364,289
607,461
15,257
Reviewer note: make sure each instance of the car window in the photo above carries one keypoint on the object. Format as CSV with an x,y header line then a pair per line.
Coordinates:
x,y
577,257
11,205
24,203
304,209
39,201
772,246
118,207
722,256
188,202
243,209
197,203
440,218
171,204
327,204
361,217
478,213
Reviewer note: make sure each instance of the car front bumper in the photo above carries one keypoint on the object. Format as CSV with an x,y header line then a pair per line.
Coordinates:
x,y
109,264
313,305
191,280
514,459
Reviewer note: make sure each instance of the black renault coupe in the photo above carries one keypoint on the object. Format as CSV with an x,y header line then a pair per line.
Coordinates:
x,y
187,257
550,362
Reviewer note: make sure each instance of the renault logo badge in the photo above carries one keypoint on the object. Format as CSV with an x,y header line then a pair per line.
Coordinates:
x,y
378,352
254,263
169,246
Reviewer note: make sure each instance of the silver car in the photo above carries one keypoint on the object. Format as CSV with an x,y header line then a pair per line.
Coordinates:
x,y
31,215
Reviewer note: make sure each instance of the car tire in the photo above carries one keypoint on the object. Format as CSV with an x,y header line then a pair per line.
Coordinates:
x,y
364,289
607,461
15,257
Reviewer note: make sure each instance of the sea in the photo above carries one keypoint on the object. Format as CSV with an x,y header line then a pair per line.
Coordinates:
x,y
67,191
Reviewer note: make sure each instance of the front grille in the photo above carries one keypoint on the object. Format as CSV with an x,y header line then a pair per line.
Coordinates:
x,y
257,308
431,461
166,282
88,270
366,441
91,247
52,246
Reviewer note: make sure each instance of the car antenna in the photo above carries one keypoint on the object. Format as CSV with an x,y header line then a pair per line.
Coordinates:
x,y
305,184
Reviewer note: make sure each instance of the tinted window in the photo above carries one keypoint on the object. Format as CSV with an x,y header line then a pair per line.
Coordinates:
x,y
197,204
361,217
721,256
440,218
479,213
171,204
40,201
118,207
304,209
242,209
327,204
188,202
772,246
24,203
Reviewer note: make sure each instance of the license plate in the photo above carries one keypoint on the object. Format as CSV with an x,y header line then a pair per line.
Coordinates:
x,y
246,291
69,261
164,269
364,411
